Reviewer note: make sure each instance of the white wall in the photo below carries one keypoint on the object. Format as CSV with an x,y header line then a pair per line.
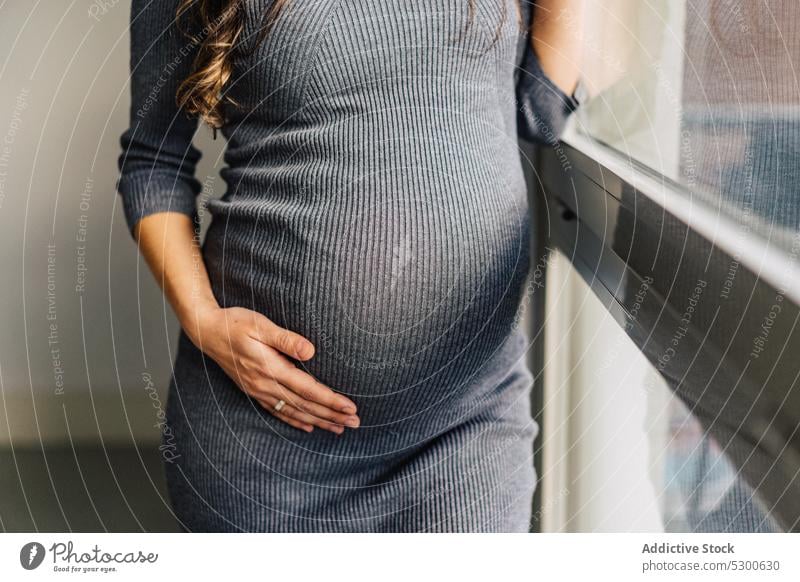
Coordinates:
x,y
605,420
63,105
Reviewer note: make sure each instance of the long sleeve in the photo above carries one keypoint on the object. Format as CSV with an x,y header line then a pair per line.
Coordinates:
x,y
157,163
543,108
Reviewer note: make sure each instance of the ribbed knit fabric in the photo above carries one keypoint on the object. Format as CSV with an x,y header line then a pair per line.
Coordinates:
x,y
376,205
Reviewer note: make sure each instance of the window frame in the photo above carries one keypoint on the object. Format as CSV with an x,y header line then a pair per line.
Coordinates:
x,y
588,198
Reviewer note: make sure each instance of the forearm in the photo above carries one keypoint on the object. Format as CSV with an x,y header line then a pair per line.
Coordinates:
x,y
556,37
168,243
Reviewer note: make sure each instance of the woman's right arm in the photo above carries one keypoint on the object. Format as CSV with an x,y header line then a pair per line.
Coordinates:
x,y
159,192
249,347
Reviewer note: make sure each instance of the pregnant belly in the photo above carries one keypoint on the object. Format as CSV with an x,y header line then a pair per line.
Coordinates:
x,y
407,298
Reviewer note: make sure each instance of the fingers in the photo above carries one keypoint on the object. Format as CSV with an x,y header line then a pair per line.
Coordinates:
x,y
317,411
305,386
321,412
296,417
269,391
288,342
312,403
308,389
304,426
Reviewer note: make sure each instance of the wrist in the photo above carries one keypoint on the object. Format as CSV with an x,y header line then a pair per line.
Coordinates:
x,y
192,315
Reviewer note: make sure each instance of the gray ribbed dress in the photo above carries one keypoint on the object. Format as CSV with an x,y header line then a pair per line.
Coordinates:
x,y
375,204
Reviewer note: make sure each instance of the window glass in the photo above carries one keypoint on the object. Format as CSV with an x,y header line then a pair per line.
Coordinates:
x,y
622,451
706,93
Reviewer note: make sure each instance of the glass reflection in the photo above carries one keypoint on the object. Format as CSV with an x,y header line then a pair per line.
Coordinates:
x,y
706,93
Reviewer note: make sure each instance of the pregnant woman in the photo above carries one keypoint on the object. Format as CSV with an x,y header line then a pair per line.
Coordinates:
x,y
350,356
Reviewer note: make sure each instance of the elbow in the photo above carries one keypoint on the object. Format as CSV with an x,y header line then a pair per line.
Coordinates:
x,y
543,126
142,152
543,107
156,178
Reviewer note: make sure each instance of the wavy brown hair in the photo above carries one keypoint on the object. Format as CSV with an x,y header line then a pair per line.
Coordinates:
x,y
220,24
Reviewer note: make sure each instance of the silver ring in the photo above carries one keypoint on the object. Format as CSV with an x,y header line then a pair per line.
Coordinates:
x,y
280,404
